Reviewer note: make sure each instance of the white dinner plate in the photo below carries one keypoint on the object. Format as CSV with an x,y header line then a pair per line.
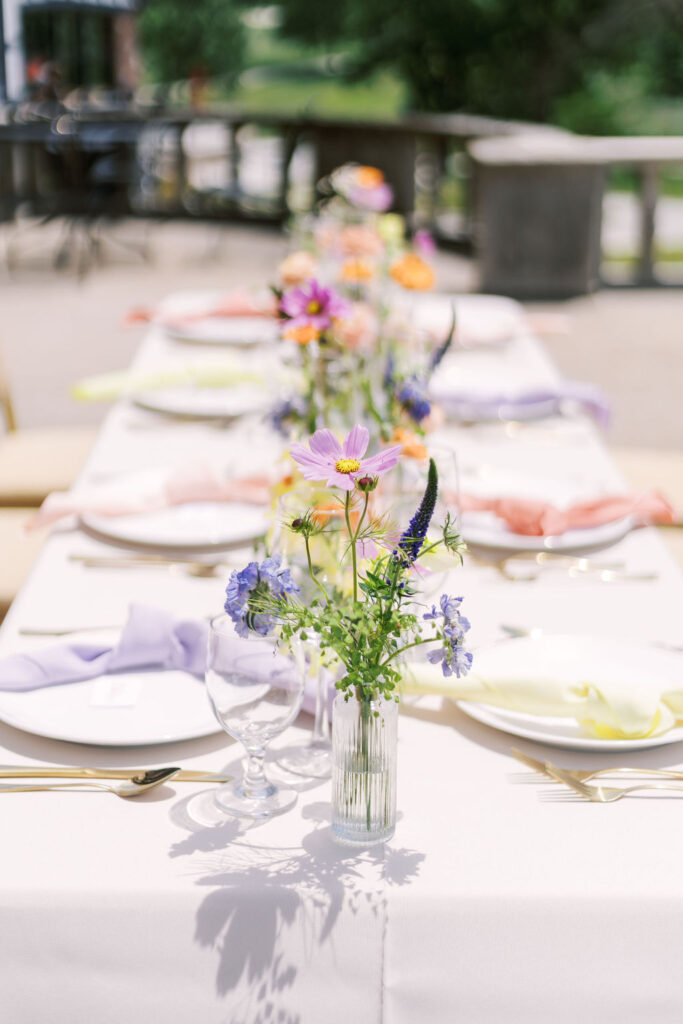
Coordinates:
x,y
204,402
482,320
200,526
165,707
242,331
487,530
577,659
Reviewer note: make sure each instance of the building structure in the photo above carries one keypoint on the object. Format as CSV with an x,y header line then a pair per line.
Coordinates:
x,y
52,45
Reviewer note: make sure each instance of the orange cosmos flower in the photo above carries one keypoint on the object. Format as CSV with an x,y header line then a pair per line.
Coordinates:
x,y
368,177
357,271
411,272
412,447
302,335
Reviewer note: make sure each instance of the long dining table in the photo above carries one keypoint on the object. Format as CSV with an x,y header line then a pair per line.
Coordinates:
x,y
490,904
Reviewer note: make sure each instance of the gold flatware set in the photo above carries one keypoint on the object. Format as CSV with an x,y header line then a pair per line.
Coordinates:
x,y
123,782
577,780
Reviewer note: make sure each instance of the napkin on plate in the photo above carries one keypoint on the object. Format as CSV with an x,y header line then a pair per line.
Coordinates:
x,y
535,518
522,405
239,303
151,639
148,492
607,705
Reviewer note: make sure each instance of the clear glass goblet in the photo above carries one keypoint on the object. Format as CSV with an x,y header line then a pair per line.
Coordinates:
x,y
255,686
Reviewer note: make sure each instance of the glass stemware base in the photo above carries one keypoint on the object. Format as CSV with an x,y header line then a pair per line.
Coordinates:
x,y
313,761
245,801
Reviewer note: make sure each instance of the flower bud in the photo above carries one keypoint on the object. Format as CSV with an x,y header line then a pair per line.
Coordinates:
x,y
367,483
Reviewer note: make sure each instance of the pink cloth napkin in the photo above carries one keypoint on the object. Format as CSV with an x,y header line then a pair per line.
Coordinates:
x,y
149,492
237,303
540,518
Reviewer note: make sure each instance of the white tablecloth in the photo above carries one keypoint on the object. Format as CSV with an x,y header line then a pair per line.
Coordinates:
x,y
489,905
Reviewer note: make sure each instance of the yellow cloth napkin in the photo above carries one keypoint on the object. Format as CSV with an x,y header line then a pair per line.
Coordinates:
x,y
613,689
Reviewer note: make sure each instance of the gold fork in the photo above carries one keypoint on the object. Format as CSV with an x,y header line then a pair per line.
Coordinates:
x,y
607,794
550,770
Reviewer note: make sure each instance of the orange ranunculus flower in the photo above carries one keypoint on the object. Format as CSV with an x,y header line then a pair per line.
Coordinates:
x,y
412,446
302,335
357,271
360,240
368,177
322,514
411,272
297,268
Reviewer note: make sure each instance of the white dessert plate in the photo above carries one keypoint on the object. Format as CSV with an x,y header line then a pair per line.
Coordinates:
x,y
200,526
204,402
574,659
487,530
242,332
119,710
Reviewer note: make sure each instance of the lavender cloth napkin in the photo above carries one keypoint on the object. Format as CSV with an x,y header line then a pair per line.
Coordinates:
x,y
531,404
151,638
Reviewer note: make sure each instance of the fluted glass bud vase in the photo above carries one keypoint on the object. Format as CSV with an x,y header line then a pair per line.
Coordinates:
x,y
363,770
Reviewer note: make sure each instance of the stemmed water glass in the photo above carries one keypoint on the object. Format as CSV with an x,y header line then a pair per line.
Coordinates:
x,y
255,685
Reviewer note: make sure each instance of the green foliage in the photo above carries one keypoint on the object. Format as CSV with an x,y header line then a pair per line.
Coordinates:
x,y
536,60
180,38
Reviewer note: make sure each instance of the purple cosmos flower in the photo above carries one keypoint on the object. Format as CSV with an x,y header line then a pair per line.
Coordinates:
x,y
341,464
250,589
378,198
452,655
313,305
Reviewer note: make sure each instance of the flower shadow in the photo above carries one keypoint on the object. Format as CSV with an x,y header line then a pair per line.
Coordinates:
x,y
271,913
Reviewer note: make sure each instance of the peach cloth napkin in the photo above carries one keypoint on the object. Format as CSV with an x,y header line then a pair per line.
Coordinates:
x,y
539,518
151,491
238,303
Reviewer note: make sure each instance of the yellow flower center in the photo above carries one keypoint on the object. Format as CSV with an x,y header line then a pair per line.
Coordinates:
x,y
313,307
347,465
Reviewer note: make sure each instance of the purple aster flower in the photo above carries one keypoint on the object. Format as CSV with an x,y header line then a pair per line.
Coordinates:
x,y
412,396
313,305
424,243
340,465
253,593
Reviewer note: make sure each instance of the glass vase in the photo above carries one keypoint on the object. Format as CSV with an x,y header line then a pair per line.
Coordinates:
x,y
363,770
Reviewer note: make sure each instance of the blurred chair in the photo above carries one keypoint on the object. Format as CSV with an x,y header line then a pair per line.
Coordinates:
x,y
18,551
661,469
35,462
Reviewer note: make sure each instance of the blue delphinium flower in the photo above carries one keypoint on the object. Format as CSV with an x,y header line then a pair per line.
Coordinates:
x,y
251,589
412,539
452,654
412,396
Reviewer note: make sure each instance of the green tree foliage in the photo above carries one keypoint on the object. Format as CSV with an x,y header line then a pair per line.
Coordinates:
x,y
180,38
506,58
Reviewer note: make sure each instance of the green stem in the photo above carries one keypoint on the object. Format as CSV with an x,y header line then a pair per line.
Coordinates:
x,y
310,570
354,560
416,643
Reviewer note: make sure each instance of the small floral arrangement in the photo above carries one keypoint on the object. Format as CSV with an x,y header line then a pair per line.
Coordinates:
x,y
365,632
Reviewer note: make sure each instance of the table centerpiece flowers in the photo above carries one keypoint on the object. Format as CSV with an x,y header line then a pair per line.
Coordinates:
x,y
364,629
